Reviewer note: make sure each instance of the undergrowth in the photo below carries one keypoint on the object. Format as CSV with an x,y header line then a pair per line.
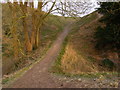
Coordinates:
x,y
57,69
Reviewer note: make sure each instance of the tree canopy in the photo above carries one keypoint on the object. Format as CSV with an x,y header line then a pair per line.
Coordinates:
x,y
108,37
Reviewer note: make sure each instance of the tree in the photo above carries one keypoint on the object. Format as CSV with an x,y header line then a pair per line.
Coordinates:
x,y
28,45
73,9
108,37
111,32
35,17
32,37
13,30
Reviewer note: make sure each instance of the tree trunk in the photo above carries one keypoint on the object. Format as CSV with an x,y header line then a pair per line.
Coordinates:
x,y
33,30
37,39
28,45
38,24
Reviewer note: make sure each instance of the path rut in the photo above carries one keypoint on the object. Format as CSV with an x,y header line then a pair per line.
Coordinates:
x,y
38,76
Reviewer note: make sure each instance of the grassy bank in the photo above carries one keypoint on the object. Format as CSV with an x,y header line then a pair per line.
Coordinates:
x,y
56,68
52,27
78,57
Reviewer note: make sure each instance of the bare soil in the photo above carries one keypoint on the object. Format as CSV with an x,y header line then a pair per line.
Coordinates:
x,y
40,77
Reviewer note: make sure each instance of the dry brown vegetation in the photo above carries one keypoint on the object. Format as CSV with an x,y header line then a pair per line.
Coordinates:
x,y
74,63
51,27
80,54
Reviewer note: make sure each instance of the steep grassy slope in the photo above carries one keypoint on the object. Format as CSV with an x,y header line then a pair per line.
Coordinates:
x,y
52,26
79,55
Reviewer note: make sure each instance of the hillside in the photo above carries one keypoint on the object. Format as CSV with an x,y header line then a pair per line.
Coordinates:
x,y
43,50
79,55
77,65
52,27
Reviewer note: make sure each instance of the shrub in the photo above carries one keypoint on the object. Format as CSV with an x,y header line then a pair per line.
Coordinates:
x,y
109,36
108,63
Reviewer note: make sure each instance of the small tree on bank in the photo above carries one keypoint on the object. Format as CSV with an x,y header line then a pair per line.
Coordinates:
x,y
108,37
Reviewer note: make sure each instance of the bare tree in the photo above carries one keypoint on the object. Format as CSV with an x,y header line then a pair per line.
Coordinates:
x,y
73,9
32,36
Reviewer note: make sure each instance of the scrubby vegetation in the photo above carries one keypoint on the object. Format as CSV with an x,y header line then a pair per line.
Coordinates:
x,y
110,32
91,49
93,44
52,26
80,55
108,36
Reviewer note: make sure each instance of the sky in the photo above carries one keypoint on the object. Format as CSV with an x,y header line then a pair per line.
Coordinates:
x,y
93,8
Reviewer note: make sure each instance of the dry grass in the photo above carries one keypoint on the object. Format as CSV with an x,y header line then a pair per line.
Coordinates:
x,y
80,54
53,25
74,63
83,40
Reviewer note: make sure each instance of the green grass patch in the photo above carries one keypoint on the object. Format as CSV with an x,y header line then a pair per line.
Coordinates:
x,y
14,76
56,68
107,75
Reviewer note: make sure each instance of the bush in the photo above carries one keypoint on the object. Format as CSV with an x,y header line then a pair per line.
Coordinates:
x,y
108,63
107,37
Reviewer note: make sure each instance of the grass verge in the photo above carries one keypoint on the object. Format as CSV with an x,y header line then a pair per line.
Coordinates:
x,y
7,80
56,68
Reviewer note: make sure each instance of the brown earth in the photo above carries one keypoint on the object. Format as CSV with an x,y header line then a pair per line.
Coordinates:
x,y
40,77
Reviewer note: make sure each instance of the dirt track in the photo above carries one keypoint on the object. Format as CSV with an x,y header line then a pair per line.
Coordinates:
x,y
38,76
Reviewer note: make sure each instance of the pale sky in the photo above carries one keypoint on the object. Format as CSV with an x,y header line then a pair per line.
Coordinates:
x,y
94,2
